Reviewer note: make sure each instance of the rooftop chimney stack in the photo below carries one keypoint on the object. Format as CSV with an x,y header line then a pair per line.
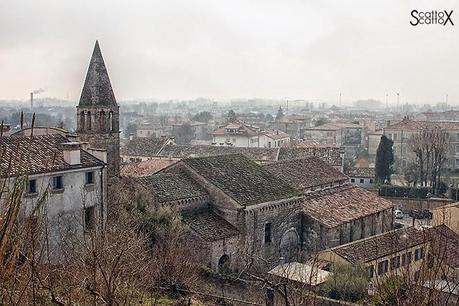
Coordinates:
x,y
72,153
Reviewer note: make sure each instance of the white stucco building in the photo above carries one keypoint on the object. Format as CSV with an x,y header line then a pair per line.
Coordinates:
x,y
57,176
239,134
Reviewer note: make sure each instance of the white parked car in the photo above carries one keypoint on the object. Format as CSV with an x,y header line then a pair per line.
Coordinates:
x,y
398,214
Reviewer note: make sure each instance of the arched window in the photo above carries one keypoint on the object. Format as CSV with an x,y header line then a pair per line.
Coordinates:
x,y
102,120
82,114
224,264
110,121
89,121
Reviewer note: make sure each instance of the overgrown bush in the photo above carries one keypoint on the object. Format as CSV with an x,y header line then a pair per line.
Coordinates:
x,y
348,283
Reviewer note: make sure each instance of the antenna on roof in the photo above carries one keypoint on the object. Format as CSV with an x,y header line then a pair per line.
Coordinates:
x,y
33,123
22,119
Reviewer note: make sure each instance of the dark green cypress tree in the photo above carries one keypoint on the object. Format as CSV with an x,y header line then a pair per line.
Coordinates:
x,y
384,160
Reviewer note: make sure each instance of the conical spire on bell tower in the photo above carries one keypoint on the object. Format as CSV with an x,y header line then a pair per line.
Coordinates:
x,y
97,89
98,112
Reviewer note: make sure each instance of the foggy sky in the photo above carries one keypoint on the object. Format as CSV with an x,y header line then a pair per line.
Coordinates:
x,y
229,49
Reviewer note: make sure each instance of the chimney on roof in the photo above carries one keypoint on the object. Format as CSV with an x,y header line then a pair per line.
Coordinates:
x,y
71,152
100,154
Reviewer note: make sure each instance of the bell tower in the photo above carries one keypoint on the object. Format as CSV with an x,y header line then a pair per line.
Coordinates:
x,y
98,113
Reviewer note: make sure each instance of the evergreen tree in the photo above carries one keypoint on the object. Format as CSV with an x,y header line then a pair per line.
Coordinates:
x,y
384,160
280,113
231,116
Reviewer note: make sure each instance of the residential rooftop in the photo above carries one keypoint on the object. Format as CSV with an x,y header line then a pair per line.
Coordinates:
x,y
338,205
38,154
362,172
381,245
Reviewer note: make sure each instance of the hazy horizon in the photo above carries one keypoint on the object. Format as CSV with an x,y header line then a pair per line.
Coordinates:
x,y
221,50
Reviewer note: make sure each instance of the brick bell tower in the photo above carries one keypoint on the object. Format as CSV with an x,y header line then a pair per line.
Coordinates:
x,y
98,113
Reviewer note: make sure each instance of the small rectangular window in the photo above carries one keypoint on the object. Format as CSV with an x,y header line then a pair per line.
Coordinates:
x,y
32,186
57,182
406,258
371,181
418,254
268,233
371,270
395,263
383,267
362,181
89,218
89,178
352,180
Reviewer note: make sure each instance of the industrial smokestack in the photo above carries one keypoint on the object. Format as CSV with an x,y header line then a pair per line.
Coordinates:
x,y
31,101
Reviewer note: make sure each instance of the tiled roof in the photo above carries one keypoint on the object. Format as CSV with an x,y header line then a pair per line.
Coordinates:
x,y
381,245
243,180
335,126
276,134
39,154
242,129
362,172
144,146
97,89
146,167
331,155
208,225
306,172
445,243
408,124
187,151
339,205
174,186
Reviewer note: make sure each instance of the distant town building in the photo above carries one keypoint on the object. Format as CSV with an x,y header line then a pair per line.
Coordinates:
x,y
347,136
402,131
362,177
239,134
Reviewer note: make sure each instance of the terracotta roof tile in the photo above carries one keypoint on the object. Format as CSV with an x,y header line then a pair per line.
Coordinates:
x,y
306,172
331,155
146,167
144,146
168,187
362,172
339,205
245,181
187,151
38,154
381,245
209,226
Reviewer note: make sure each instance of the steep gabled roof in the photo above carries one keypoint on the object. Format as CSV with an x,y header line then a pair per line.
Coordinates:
x,y
245,181
97,89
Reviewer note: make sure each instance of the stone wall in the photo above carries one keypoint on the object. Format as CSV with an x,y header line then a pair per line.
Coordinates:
x,y
318,237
